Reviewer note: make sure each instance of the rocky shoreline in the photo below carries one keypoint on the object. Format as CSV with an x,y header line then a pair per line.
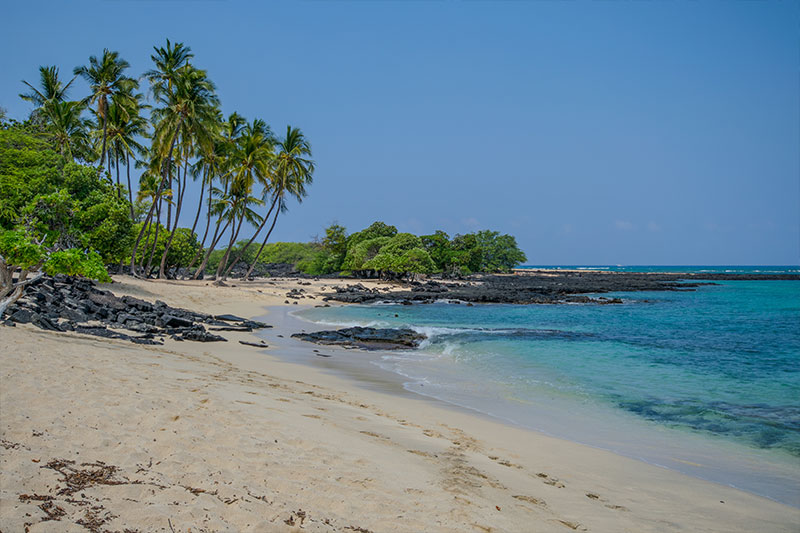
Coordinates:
x,y
64,303
539,287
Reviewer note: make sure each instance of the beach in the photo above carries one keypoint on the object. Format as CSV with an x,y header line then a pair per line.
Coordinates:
x,y
101,434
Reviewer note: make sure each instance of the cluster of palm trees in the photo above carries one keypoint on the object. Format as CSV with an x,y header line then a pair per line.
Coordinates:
x,y
244,171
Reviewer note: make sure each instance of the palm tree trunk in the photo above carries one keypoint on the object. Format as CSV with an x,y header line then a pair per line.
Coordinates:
x,y
234,234
155,243
255,261
105,124
158,194
178,207
116,163
211,249
146,244
200,204
205,233
246,246
130,192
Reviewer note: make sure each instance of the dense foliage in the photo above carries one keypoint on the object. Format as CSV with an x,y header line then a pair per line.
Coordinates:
x,y
56,214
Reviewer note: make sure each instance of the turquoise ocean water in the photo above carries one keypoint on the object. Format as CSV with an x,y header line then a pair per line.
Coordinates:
x,y
706,382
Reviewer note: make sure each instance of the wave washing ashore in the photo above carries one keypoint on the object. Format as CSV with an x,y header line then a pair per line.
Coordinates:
x,y
704,382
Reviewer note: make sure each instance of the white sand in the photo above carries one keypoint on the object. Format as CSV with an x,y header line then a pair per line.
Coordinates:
x,y
221,437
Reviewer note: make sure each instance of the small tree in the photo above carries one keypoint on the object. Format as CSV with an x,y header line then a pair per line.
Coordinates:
x,y
22,256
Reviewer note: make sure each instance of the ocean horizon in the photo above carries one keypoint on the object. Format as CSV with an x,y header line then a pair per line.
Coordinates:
x,y
706,382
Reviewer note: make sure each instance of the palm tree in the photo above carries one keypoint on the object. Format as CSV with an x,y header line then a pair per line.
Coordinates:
x,y
191,108
198,131
168,62
125,127
52,89
68,131
251,164
239,209
292,171
107,82
218,164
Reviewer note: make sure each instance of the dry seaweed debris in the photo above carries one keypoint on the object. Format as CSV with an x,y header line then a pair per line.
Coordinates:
x,y
97,473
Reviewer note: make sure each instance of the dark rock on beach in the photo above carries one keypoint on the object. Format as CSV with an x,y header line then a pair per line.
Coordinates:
x,y
366,338
64,303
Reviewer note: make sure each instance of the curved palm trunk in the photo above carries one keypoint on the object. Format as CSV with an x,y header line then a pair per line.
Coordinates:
x,y
178,207
155,244
234,235
246,246
130,192
157,195
211,249
205,233
266,238
200,204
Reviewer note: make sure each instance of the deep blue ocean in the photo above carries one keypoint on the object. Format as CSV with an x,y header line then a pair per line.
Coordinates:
x,y
706,381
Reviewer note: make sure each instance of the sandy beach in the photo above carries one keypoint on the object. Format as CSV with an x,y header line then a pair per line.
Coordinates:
x,y
104,435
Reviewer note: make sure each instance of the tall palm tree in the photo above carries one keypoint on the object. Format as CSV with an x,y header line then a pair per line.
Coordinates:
x,y
198,132
292,172
107,82
52,89
251,164
191,108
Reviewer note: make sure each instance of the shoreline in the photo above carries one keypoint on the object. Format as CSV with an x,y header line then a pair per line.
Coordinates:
x,y
343,455
699,456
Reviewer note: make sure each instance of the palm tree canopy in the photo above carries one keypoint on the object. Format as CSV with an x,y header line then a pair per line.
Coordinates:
x,y
168,62
106,78
52,89
67,129
293,170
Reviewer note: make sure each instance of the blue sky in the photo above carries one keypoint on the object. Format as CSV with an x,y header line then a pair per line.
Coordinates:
x,y
595,132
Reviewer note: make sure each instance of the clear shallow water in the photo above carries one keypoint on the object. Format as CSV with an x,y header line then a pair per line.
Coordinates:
x,y
706,382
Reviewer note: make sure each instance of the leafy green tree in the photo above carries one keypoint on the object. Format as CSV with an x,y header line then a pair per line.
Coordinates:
x,y
499,253
22,255
356,254
467,256
183,247
359,255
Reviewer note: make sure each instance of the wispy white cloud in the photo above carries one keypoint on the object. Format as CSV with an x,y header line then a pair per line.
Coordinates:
x,y
654,226
470,222
624,225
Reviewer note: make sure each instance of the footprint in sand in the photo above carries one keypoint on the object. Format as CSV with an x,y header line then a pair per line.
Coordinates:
x,y
593,496
552,481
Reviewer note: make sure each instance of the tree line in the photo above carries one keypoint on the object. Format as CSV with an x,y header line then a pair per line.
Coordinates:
x,y
381,251
69,204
